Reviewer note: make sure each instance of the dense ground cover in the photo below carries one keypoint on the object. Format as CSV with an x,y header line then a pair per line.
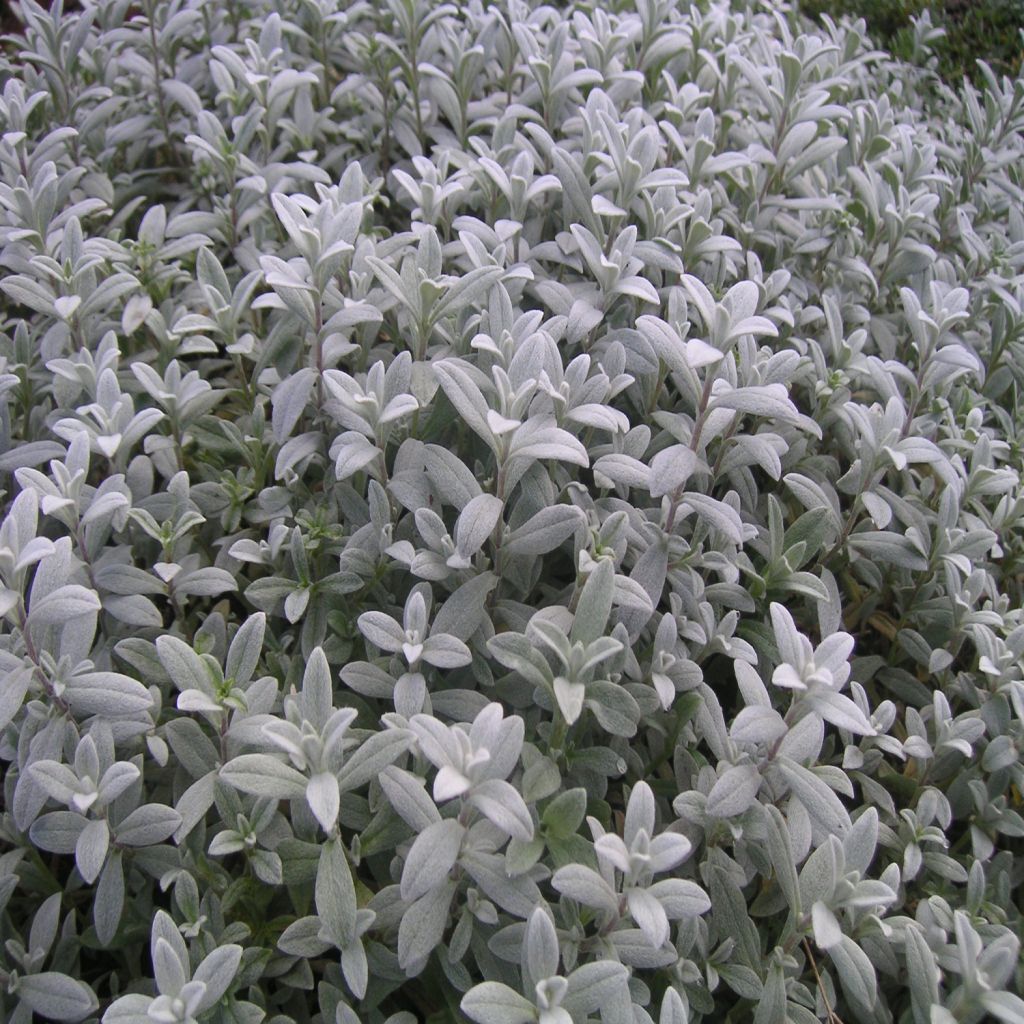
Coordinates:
x,y
511,513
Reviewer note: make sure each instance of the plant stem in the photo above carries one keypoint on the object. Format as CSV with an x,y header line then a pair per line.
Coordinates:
x,y
158,79
830,1014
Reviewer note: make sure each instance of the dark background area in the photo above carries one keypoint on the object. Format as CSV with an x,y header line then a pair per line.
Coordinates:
x,y
975,29
9,21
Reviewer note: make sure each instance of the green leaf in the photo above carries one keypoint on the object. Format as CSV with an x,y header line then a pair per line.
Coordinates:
x,y
336,895
56,996
595,603
67,602
423,925
12,694
731,916
1005,1006
431,857
673,1009
595,985
373,756
130,1009
263,775
856,974
246,647
302,938
109,694
109,902
922,973
613,707
192,747
734,792
670,469
564,815
810,529
780,850
771,1007
216,972
541,780
183,665
148,825
819,800
887,548
586,887
91,850
491,1002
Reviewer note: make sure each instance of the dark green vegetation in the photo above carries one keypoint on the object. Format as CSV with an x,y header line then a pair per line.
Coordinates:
x,y
975,30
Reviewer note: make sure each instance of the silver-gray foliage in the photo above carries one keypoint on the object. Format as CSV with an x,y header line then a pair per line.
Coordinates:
x,y
511,513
